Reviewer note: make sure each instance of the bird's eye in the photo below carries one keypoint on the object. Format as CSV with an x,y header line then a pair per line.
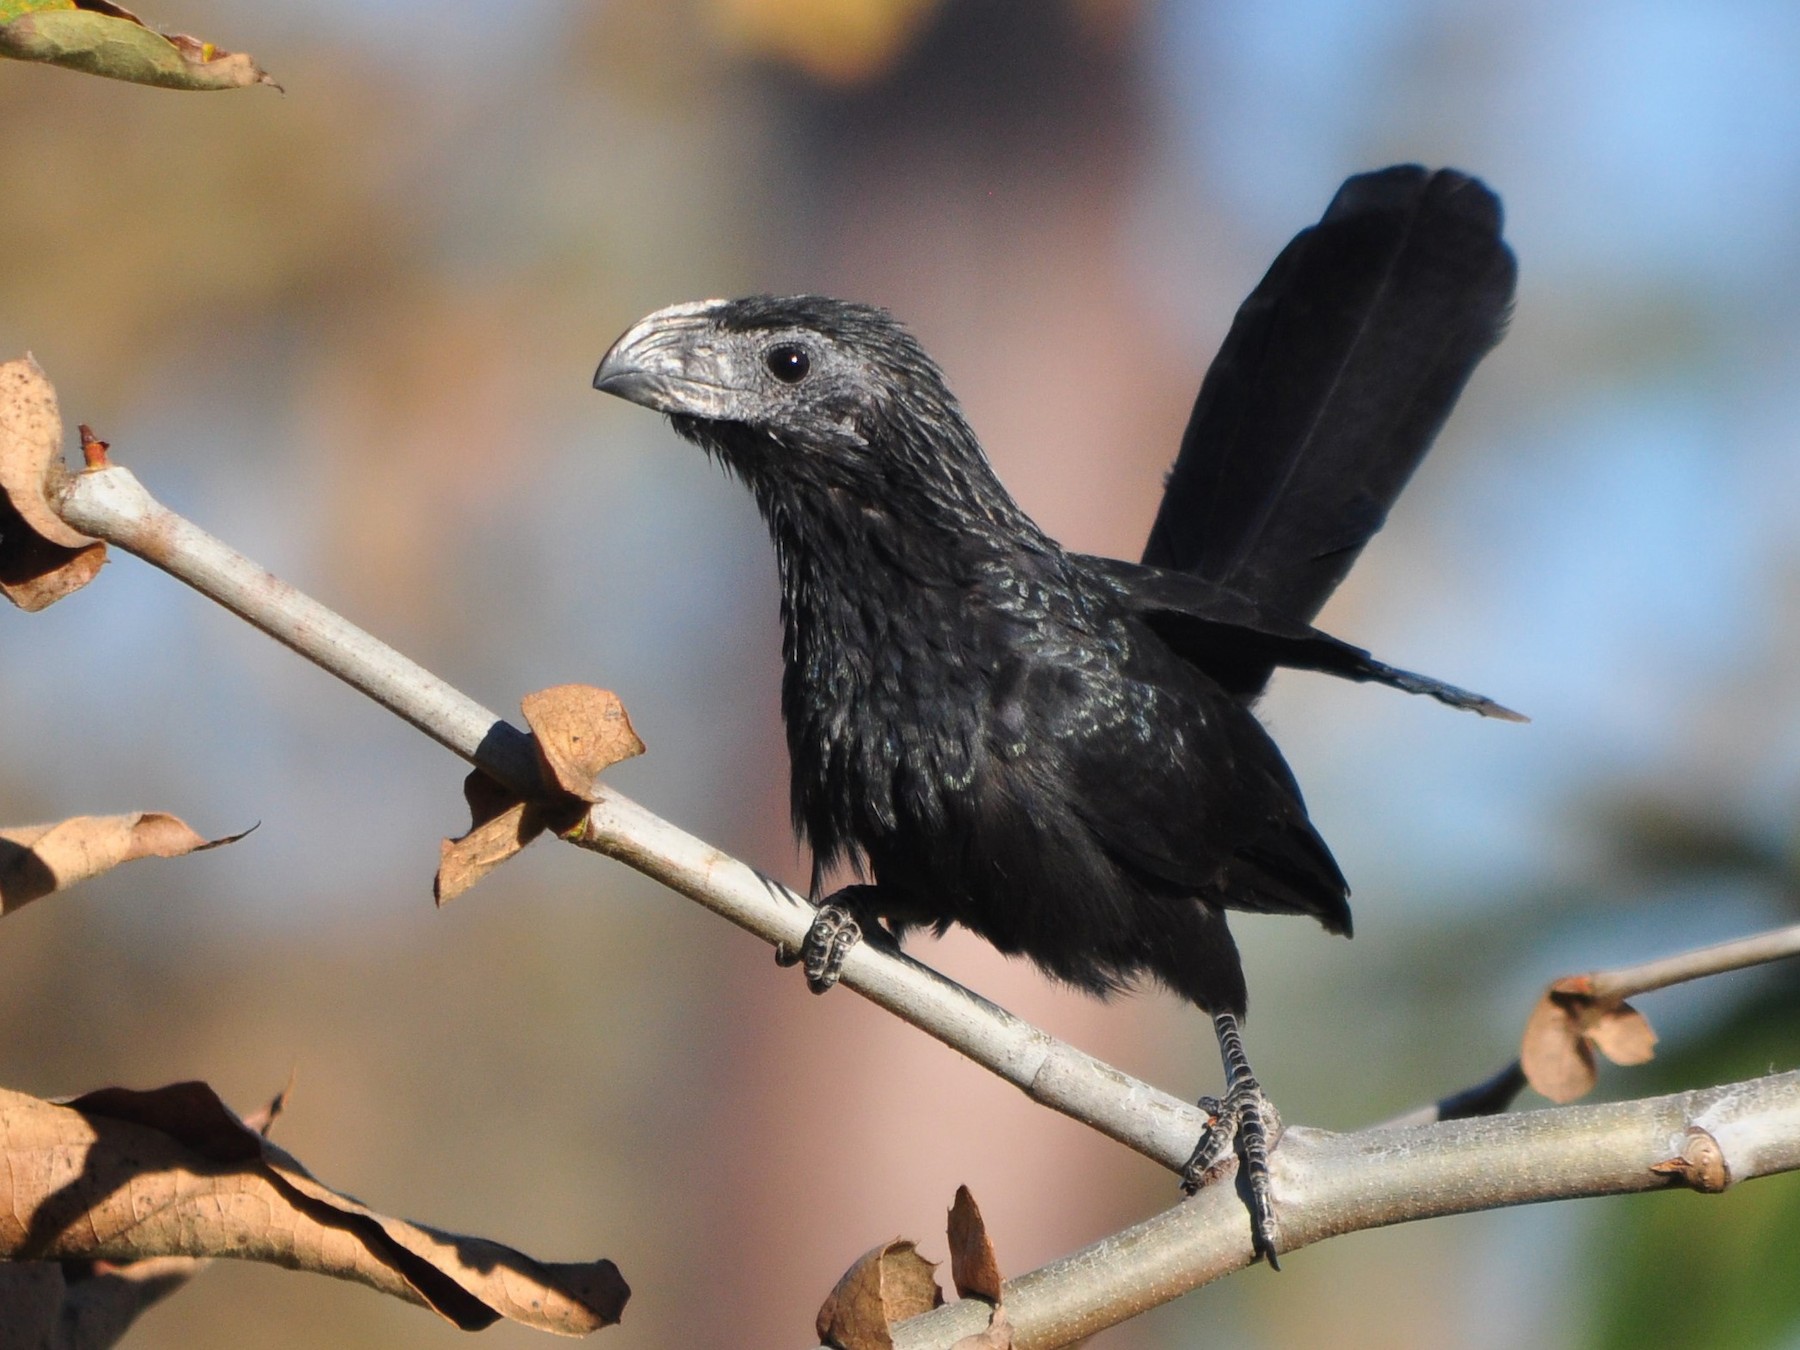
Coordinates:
x,y
788,363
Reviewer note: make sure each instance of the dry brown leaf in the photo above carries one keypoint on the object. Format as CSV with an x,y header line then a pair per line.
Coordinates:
x,y
121,1175
888,1284
466,860
996,1335
580,730
41,558
974,1269
31,434
1624,1035
35,574
1567,1026
36,860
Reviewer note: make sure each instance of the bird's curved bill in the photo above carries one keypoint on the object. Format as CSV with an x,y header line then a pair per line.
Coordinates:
x,y
668,361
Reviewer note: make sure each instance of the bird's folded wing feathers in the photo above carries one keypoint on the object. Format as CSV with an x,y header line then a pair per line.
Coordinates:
x,y
1237,640
1241,838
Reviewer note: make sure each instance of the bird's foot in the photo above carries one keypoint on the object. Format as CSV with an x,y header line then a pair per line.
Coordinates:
x,y
1243,1122
822,951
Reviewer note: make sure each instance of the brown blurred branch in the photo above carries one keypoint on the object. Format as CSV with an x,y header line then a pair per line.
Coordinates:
x,y
1329,1184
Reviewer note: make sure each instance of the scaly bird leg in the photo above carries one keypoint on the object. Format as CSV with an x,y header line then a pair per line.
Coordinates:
x,y
843,920
1243,1121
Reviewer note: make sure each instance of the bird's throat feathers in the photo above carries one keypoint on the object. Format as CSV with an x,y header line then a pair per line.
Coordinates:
x,y
891,497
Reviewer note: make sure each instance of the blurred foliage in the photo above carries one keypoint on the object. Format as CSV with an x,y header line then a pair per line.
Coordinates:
x,y
1706,1270
1718,1271
842,41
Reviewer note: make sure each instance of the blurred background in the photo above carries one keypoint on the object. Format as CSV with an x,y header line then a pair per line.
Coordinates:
x,y
351,329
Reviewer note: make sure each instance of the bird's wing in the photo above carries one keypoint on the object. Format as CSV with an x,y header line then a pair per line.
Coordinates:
x,y
1335,377
1237,641
1181,784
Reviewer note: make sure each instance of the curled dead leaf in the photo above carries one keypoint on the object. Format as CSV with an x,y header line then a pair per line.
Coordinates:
x,y
102,38
36,860
122,1175
887,1284
578,731
1567,1026
465,860
974,1269
41,558
1624,1035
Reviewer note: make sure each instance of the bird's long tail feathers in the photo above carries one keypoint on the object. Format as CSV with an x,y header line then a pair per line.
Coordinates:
x,y
1331,385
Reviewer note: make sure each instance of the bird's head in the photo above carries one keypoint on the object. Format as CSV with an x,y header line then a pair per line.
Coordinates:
x,y
790,391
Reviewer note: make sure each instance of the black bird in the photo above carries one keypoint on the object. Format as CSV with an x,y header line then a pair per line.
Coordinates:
x,y
1055,750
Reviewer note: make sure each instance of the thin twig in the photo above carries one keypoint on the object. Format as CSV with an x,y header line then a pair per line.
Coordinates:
x,y
111,504
1609,986
1329,1184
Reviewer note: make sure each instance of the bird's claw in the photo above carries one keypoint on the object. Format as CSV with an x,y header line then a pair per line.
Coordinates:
x,y
822,951
1243,1122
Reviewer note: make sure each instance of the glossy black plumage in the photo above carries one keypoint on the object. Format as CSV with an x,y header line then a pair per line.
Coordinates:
x,y
1056,750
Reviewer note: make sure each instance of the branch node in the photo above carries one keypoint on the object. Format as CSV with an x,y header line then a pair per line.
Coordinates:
x,y
1700,1165
93,449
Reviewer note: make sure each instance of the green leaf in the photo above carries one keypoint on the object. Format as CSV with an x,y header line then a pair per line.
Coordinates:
x,y
103,39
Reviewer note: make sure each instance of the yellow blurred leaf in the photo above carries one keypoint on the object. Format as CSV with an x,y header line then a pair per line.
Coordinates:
x,y
839,41
12,9
105,39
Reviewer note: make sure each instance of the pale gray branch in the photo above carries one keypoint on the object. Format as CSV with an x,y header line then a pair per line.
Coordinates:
x,y
1778,944
1329,1184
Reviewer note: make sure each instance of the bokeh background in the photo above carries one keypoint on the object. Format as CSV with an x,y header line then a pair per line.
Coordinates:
x,y
351,329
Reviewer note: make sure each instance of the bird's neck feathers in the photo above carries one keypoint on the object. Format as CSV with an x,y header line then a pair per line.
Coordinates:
x,y
892,502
